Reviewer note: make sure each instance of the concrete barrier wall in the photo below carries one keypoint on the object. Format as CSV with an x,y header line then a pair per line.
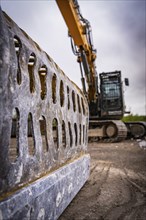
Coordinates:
x,y
43,115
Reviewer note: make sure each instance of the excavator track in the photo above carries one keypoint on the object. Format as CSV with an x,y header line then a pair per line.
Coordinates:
x,y
107,131
136,129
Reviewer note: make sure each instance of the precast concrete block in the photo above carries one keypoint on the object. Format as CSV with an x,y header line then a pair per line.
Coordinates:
x,y
47,197
43,130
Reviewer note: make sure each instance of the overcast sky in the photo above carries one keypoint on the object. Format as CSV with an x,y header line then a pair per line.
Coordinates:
x,y
119,35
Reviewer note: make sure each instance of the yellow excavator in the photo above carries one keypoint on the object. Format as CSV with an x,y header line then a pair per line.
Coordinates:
x,y
106,104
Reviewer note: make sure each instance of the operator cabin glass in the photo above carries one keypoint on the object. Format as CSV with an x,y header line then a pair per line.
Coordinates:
x,y
111,93
111,90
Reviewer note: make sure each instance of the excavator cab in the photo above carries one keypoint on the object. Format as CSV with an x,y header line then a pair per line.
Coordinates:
x,y
111,99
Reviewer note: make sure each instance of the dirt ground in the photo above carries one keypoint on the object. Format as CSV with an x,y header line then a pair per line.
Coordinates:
x,y
116,188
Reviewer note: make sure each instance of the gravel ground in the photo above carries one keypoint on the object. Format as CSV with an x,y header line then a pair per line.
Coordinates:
x,y
116,188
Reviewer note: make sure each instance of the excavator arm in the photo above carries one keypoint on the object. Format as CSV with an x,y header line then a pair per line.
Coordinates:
x,y
81,40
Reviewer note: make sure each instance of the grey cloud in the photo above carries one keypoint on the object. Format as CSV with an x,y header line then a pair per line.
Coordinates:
x,y
131,18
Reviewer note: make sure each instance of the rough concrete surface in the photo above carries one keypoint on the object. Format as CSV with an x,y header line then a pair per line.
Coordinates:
x,y
43,114
116,188
47,197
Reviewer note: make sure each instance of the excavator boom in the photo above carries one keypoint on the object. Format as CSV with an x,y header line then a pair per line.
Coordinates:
x,y
80,32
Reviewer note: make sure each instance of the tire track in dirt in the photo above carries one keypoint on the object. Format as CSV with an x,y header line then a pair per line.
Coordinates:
x,y
138,179
120,210
135,208
116,186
